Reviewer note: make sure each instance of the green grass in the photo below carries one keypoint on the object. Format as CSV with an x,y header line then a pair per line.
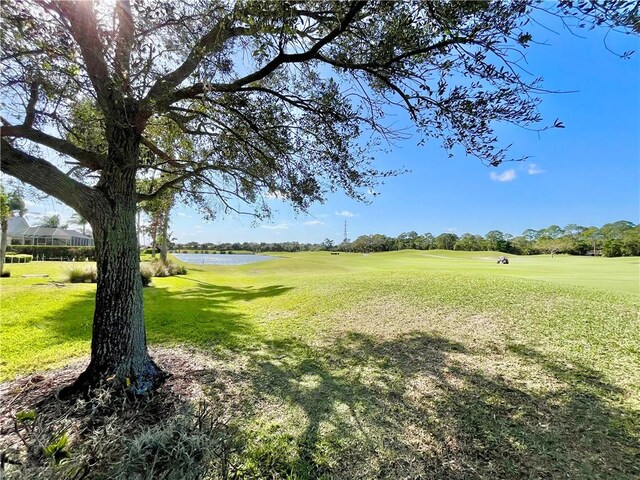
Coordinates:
x,y
400,365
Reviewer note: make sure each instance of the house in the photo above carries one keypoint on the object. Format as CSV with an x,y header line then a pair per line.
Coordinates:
x,y
20,233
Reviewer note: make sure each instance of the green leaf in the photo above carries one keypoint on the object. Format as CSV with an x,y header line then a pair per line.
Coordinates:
x,y
57,449
26,416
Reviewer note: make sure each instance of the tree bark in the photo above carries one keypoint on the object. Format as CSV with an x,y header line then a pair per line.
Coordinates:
x,y
3,243
154,239
119,355
165,232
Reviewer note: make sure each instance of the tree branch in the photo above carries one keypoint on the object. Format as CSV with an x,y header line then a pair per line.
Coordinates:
x,y
210,42
91,160
171,183
31,106
124,42
159,152
84,29
280,59
283,58
46,177
411,109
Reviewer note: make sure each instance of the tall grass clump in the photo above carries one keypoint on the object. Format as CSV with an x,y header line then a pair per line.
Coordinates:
x,y
148,270
146,273
82,275
157,268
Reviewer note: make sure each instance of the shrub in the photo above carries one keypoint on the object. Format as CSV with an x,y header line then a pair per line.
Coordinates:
x,y
54,252
120,440
182,447
156,268
176,269
146,273
83,275
17,258
75,275
160,270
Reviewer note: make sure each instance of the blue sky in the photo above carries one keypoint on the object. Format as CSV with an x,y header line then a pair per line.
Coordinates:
x,y
587,173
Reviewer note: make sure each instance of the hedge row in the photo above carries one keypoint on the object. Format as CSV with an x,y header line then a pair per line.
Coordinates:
x,y
54,252
17,258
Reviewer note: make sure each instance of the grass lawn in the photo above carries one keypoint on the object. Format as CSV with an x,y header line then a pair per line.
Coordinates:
x,y
398,365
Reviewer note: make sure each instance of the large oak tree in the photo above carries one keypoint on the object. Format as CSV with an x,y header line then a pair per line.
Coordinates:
x,y
269,98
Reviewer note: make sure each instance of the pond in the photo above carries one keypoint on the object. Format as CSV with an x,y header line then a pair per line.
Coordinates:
x,y
220,259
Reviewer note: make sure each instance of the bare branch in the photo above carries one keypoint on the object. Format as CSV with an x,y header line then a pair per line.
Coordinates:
x,y
31,106
50,180
91,160
280,59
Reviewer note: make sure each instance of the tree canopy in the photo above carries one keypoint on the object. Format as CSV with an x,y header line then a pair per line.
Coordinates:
x,y
269,97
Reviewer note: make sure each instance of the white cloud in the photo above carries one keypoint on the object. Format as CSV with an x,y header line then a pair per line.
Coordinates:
x,y
314,222
506,176
345,213
279,226
181,214
534,169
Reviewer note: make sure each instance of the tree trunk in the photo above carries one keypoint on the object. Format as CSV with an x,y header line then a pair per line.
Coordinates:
x,y
119,356
3,243
139,229
165,232
154,241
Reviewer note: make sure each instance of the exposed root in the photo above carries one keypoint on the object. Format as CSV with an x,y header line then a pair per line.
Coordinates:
x,y
134,384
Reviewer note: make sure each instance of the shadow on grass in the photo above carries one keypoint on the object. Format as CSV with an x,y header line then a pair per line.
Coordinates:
x,y
203,314
419,407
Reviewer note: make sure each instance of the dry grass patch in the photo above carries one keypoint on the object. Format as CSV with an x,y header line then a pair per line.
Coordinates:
x,y
388,317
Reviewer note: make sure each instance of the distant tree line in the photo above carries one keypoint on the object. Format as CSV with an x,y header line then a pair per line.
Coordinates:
x,y
621,238
245,247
